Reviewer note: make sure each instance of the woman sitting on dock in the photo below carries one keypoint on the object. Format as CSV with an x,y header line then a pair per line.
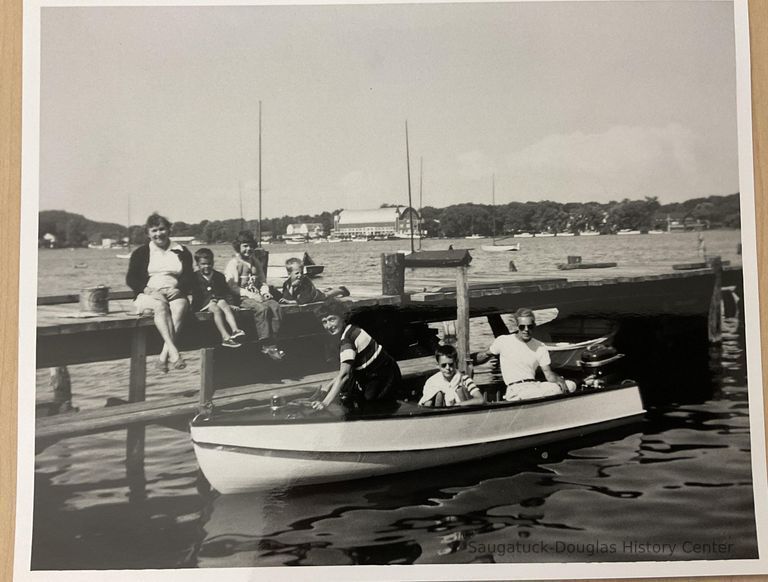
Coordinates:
x,y
368,378
160,274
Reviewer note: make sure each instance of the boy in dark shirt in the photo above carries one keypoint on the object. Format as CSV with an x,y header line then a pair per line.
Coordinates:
x,y
299,289
210,293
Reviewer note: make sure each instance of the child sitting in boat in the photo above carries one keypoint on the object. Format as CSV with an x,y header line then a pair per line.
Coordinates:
x,y
299,289
368,378
448,386
211,293
520,357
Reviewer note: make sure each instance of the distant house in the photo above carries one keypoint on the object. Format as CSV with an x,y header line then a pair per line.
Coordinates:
x,y
391,221
305,229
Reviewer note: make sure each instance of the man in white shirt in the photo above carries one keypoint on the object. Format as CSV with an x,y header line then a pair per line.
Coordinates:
x,y
520,356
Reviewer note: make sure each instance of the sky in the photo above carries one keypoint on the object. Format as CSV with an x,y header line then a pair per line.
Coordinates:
x,y
157,108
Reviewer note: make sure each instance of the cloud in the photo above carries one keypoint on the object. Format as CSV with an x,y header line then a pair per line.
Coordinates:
x,y
624,161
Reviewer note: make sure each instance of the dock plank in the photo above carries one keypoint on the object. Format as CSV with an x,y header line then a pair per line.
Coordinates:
x,y
71,424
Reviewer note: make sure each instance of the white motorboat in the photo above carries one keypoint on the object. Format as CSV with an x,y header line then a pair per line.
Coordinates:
x,y
289,445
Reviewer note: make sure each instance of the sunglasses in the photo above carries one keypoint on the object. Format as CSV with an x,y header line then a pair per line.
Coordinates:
x,y
526,326
447,365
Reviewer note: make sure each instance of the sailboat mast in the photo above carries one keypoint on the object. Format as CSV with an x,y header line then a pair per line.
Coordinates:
x,y
493,210
240,192
258,226
408,165
421,181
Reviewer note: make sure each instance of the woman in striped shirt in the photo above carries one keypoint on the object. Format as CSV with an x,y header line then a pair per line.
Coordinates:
x,y
367,373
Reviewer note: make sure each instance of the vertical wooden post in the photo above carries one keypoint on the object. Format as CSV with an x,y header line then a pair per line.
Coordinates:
x,y
137,379
206,378
715,324
392,273
62,390
134,463
462,317
135,436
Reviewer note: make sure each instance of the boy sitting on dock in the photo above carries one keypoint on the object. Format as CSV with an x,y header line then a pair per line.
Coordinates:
x,y
521,356
298,288
448,386
210,293
368,378
246,280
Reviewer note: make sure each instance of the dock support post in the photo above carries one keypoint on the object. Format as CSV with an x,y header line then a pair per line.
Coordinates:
x,y
392,273
137,380
134,463
62,390
715,324
462,318
135,435
206,378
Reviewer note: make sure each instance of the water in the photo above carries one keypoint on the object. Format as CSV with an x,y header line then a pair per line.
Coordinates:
x,y
676,486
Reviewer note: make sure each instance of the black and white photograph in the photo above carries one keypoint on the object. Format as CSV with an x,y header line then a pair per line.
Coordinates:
x,y
365,290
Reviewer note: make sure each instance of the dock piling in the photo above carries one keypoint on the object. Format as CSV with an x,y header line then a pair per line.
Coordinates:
x,y
206,379
392,273
137,380
715,316
462,317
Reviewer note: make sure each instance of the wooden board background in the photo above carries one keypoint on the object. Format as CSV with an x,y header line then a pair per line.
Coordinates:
x,y
10,188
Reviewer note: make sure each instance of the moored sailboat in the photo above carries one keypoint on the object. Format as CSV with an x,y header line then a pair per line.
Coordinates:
x,y
495,247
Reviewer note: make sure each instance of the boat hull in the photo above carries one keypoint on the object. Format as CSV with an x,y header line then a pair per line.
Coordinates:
x,y
245,457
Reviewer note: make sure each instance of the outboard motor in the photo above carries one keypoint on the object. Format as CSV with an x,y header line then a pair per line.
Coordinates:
x,y
599,365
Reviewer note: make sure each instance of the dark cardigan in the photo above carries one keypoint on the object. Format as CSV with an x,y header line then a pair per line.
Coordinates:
x,y
137,275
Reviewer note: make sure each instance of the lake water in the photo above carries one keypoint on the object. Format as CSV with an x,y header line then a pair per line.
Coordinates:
x,y
675,486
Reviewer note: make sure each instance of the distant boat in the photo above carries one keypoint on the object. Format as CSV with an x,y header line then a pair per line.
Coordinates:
x,y
523,235
657,232
628,231
588,233
474,236
565,234
544,234
334,239
495,247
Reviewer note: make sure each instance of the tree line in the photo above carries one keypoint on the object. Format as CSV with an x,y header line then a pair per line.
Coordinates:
x,y
74,230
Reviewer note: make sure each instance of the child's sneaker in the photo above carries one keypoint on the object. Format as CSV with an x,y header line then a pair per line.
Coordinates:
x,y
236,333
230,343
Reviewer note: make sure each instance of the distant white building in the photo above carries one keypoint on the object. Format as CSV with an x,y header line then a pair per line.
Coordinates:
x,y
305,229
392,221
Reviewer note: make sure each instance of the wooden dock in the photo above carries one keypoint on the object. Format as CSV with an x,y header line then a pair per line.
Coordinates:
x,y
65,336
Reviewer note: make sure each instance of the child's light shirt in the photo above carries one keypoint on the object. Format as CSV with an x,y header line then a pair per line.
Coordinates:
x,y
436,383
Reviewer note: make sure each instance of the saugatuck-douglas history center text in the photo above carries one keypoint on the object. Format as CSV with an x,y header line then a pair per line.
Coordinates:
x,y
659,550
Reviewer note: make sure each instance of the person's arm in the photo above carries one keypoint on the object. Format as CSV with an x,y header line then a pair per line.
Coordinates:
x,y
480,358
554,377
338,383
187,277
136,278
475,396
